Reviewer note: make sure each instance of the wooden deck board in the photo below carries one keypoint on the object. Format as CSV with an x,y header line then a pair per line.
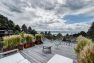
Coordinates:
x,y
35,54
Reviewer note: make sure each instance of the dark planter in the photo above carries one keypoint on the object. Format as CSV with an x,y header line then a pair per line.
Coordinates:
x,y
38,41
33,43
30,44
20,46
27,45
7,49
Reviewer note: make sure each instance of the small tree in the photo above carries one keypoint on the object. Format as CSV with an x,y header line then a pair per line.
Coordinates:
x,y
29,30
33,32
17,28
24,28
59,35
90,32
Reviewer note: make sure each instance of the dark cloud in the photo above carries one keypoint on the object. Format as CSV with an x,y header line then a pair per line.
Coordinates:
x,y
45,4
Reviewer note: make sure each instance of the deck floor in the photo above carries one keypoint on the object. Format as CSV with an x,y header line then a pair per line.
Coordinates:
x,y
35,54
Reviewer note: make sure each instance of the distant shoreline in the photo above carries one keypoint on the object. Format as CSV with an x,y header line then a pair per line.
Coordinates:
x,y
56,32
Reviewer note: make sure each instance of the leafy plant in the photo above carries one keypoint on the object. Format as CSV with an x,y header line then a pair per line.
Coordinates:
x,y
81,43
11,41
38,36
5,42
28,37
87,54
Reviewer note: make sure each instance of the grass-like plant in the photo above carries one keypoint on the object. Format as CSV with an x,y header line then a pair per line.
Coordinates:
x,y
5,42
38,36
28,37
11,41
81,43
87,54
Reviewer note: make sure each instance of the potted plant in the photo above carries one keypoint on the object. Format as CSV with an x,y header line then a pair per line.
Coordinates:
x,y
20,43
1,46
38,38
28,38
5,44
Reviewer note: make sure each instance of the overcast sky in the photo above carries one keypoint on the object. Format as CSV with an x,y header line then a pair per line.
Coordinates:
x,y
54,15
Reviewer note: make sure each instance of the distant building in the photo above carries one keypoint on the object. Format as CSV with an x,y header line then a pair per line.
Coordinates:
x,y
5,32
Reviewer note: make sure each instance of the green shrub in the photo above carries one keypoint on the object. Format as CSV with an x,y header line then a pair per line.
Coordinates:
x,y
28,37
11,41
81,43
14,40
87,54
5,42
22,34
17,40
38,36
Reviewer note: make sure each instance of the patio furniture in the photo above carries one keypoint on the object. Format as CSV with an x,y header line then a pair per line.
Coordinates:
x,y
46,45
15,58
47,49
60,59
57,43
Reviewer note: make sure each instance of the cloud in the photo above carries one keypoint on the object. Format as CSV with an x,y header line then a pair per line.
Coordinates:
x,y
48,14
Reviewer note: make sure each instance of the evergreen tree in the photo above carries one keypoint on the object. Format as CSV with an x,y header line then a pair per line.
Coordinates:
x,y
29,30
11,25
59,35
90,32
3,22
42,33
46,33
24,28
17,28
33,32
82,33
49,33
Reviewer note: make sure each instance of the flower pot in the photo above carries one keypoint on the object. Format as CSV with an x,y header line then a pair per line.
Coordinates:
x,y
30,44
38,41
27,45
33,43
20,46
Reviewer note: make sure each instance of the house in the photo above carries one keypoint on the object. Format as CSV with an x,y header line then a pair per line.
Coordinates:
x,y
5,31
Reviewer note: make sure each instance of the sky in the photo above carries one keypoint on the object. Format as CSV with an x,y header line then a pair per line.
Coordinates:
x,y
70,16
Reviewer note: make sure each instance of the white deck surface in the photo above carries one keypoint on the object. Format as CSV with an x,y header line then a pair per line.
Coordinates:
x,y
16,58
60,59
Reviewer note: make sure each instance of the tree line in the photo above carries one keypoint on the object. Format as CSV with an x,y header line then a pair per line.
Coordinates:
x,y
10,25
88,34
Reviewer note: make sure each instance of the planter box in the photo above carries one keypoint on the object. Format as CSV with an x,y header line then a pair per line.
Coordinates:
x,y
33,43
30,44
27,45
20,46
7,49
38,42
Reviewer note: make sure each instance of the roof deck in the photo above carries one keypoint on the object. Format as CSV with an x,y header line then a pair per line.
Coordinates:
x,y
35,54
